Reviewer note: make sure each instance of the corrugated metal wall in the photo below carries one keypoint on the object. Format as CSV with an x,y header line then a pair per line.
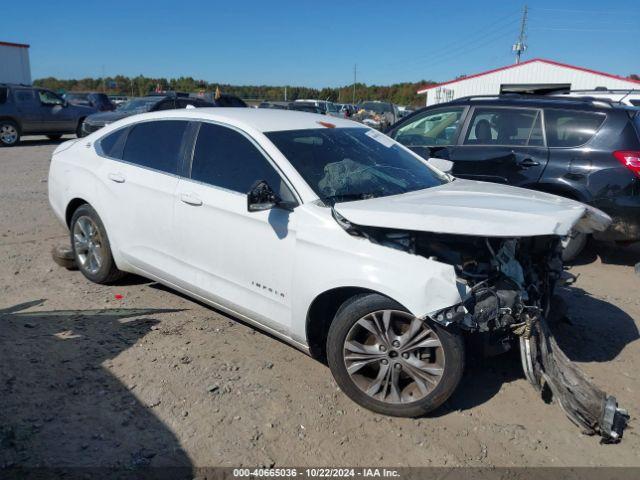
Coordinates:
x,y
14,64
528,73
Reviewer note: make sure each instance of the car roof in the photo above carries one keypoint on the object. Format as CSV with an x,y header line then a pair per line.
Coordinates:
x,y
538,101
255,119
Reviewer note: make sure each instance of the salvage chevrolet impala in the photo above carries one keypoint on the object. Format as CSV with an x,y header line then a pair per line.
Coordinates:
x,y
327,234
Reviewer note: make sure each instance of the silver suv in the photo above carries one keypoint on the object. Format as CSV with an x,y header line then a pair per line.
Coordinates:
x,y
26,110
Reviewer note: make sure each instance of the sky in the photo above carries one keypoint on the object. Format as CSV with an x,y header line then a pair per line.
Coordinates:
x,y
317,43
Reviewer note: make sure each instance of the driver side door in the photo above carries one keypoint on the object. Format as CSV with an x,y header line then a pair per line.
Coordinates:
x,y
55,114
432,132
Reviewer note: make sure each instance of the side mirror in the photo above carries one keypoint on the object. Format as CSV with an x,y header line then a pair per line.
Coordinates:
x,y
262,197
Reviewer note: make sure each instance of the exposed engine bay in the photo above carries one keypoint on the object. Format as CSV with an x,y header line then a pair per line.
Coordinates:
x,y
509,285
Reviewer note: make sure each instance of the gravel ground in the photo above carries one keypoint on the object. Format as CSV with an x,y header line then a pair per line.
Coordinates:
x,y
136,374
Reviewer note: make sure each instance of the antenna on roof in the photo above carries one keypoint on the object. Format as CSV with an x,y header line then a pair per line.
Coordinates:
x,y
519,47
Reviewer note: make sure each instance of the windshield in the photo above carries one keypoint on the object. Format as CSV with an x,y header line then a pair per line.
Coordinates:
x,y
343,164
376,107
138,104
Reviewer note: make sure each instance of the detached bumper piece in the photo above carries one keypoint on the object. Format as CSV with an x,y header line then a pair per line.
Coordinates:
x,y
550,371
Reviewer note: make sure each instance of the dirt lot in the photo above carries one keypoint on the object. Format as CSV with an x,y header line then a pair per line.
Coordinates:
x,y
135,374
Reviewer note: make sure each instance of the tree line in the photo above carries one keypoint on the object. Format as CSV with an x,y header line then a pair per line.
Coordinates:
x,y
399,93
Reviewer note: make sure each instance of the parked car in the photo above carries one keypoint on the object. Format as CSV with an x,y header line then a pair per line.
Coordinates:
x,y
276,105
304,107
28,110
626,97
99,101
326,107
150,103
579,148
330,236
378,115
118,99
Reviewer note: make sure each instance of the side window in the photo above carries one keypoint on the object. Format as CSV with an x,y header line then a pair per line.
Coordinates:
x,y
49,98
569,128
3,94
431,128
225,158
504,126
156,144
24,96
113,144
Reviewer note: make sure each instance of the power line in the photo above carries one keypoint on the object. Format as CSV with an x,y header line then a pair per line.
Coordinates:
x,y
594,12
480,33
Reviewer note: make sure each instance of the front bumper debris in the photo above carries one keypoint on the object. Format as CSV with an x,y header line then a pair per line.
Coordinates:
x,y
549,370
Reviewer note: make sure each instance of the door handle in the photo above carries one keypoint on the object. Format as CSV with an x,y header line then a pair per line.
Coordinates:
x,y
528,162
116,177
191,199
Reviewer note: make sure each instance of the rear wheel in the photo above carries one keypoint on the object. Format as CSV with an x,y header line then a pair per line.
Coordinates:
x,y
9,133
391,362
91,249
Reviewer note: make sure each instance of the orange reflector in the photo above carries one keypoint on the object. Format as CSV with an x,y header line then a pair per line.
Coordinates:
x,y
327,124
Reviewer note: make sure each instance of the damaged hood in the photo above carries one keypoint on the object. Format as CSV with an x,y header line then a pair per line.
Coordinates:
x,y
465,207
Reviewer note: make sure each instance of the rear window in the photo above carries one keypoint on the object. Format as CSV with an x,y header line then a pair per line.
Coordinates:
x,y
3,94
156,145
113,144
568,128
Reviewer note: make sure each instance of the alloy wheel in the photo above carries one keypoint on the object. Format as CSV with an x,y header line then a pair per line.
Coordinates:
x,y
88,245
393,356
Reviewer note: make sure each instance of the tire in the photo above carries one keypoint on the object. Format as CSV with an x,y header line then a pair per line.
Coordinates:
x,y
9,133
573,245
444,356
79,132
91,249
54,137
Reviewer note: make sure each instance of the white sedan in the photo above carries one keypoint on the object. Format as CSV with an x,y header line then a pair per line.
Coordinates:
x,y
321,231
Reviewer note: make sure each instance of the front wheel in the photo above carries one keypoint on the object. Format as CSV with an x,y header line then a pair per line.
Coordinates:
x,y
391,362
91,249
572,245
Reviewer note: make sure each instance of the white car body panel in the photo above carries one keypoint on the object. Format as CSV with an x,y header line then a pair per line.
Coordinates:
x,y
466,207
268,267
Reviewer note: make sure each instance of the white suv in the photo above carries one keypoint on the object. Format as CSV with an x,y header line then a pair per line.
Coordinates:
x,y
330,236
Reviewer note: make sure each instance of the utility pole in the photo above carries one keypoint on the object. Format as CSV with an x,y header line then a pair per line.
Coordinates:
x,y
355,68
520,46
285,93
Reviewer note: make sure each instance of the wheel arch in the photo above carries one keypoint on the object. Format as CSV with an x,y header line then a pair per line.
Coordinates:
x,y
322,312
72,206
14,120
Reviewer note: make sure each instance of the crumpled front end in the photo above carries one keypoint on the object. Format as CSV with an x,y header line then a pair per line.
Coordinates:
x,y
509,296
506,286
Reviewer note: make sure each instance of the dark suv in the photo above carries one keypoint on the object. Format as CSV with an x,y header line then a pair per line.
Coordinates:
x,y
26,110
584,149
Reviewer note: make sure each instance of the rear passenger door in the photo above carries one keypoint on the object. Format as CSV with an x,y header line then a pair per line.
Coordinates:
x,y
502,145
239,259
141,173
